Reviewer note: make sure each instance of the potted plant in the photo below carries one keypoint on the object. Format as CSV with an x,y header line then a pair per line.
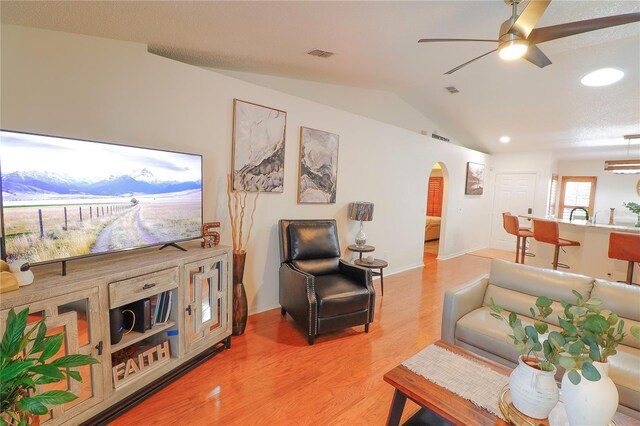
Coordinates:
x,y
589,337
534,391
635,208
27,360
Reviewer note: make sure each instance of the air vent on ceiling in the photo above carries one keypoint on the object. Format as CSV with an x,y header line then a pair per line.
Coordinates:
x,y
320,53
452,89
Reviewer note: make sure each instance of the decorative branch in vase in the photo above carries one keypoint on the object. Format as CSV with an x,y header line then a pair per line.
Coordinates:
x,y
237,204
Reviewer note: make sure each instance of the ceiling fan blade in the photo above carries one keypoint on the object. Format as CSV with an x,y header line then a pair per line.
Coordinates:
x,y
536,57
430,40
529,17
468,62
540,35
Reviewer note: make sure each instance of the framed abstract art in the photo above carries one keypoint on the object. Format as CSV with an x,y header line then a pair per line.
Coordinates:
x,y
257,158
318,177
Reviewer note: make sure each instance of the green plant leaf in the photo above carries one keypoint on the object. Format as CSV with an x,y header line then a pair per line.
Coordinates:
x,y
568,327
48,370
16,323
566,362
635,331
576,348
75,375
38,342
574,377
513,318
547,349
3,422
32,405
621,327
75,360
594,352
590,372
556,339
15,369
612,319
541,327
52,346
594,301
531,333
45,380
596,324
55,397
519,333
543,302
578,295
496,316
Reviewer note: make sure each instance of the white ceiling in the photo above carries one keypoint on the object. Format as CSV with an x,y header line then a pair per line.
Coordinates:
x,y
376,47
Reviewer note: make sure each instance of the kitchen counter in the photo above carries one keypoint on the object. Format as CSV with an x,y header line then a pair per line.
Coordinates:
x,y
588,224
591,257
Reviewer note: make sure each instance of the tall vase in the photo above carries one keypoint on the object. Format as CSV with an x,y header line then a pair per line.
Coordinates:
x,y
239,317
534,392
593,403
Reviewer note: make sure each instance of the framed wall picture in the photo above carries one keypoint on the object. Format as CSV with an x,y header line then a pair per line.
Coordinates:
x,y
318,176
475,179
257,157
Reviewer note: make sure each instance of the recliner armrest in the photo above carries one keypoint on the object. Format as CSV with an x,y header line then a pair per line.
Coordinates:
x,y
358,274
297,296
460,301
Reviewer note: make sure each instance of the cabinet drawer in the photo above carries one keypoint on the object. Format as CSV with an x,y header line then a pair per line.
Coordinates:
x,y
132,289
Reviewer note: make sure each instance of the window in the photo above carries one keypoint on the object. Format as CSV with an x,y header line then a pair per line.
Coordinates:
x,y
434,196
553,194
576,191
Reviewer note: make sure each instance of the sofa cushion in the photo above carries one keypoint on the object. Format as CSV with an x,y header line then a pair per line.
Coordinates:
x,y
315,240
534,281
624,370
480,329
520,303
623,300
337,295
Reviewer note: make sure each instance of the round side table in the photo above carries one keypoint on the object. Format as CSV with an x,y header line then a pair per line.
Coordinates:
x,y
359,249
375,264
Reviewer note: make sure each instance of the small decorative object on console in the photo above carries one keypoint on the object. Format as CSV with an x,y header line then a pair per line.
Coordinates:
x,y
21,269
362,211
210,238
635,208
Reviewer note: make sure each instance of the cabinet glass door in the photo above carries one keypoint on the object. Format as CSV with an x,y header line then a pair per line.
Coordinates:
x,y
206,310
76,315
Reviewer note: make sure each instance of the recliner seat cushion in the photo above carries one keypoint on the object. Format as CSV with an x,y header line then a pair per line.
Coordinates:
x,y
338,295
313,240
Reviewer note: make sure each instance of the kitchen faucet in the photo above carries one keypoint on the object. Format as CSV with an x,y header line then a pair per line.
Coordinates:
x,y
586,212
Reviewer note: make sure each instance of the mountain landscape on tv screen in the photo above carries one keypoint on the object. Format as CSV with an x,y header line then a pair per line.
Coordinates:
x,y
43,185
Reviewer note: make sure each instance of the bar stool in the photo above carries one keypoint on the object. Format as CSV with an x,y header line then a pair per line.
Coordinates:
x,y
624,246
511,224
546,231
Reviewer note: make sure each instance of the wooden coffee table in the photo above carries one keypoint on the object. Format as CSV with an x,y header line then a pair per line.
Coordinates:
x,y
440,406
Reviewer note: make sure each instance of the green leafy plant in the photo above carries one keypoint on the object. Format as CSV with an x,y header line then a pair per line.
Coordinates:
x,y
590,335
26,360
634,207
536,352
587,335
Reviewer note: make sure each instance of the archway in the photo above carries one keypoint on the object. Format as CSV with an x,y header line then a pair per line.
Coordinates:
x,y
435,220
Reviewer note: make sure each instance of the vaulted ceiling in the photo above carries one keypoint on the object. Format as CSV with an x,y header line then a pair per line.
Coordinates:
x,y
375,45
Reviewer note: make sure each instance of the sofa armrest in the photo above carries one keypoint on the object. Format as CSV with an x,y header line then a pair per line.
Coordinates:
x,y
460,301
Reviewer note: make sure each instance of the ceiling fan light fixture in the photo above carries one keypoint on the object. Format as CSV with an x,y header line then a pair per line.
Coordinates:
x,y
602,77
513,49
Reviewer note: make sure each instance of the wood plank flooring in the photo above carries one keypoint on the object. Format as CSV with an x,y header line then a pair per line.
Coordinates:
x,y
272,377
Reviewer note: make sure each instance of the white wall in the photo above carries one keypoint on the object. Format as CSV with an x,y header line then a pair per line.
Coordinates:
x,y
106,90
377,104
611,189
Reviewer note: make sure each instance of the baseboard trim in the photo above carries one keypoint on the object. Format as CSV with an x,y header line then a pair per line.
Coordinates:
x,y
137,397
461,253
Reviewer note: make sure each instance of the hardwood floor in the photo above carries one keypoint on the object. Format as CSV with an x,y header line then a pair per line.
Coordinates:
x,y
272,377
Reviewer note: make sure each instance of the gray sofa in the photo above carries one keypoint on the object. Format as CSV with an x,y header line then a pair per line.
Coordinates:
x,y
466,321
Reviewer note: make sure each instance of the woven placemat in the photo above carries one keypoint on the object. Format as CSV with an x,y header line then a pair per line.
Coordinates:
x,y
472,381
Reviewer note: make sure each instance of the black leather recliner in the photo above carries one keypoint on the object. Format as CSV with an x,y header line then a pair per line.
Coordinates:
x,y
319,290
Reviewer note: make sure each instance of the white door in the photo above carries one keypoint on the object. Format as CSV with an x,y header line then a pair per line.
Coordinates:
x,y
514,193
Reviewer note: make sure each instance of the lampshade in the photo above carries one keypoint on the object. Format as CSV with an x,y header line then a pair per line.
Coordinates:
x,y
361,210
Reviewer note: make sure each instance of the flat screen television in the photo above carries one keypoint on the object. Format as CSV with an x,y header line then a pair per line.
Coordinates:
x,y
66,198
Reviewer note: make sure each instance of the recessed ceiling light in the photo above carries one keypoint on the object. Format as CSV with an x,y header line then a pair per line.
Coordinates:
x,y
505,139
602,77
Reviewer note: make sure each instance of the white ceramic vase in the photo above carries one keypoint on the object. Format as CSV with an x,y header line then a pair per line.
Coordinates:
x,y
593,403
534,392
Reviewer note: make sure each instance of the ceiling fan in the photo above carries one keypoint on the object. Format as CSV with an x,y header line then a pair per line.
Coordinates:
x,y
518,38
